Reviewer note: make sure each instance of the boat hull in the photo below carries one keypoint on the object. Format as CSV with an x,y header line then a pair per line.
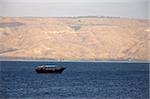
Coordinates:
x,y
55,70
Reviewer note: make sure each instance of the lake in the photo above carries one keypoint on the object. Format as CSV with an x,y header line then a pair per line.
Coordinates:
x,y
80,80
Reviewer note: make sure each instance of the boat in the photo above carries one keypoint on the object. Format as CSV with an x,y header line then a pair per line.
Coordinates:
x,y
49,69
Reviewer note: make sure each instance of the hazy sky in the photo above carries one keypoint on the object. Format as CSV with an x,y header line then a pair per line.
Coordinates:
x,y
73,0
69,8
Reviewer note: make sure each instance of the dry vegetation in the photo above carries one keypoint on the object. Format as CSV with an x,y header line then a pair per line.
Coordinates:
x,y
74,38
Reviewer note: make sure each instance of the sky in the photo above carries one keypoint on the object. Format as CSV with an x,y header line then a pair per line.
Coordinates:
x,y
68,8
73,0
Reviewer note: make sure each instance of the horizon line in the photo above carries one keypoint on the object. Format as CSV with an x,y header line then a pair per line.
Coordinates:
x,y
88,16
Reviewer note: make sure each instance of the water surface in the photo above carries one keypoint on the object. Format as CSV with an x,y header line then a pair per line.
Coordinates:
x,y
81,80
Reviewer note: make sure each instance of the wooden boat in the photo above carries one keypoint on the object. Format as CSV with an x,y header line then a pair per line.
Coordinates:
x,y
49,69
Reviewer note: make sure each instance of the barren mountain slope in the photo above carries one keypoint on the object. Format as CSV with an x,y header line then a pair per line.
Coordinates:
x,y
74,38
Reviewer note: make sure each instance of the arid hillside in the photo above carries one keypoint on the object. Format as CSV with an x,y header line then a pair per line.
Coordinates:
x,y
86,38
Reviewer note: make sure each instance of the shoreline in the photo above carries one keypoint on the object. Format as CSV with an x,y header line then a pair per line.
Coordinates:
x,y
102,61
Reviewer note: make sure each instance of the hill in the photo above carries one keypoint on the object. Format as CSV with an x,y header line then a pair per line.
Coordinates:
x,y
82,38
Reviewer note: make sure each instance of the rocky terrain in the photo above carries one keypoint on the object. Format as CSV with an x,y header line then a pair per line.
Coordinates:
x,y
80,38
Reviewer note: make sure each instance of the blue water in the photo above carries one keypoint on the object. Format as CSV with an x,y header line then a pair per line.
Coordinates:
x,y
81,80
